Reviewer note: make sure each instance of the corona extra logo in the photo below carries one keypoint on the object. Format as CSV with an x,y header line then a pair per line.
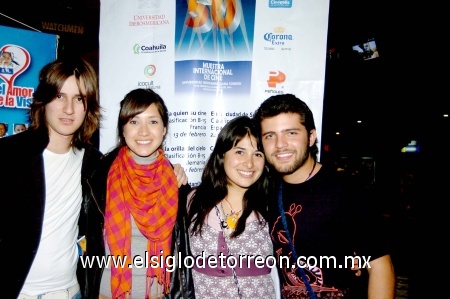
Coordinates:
x,y
278,29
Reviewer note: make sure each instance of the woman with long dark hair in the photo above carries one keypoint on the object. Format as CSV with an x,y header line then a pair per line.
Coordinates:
x,y
226,213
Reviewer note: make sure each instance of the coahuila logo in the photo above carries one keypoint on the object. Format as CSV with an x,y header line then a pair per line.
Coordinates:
x,y
150,71
137,49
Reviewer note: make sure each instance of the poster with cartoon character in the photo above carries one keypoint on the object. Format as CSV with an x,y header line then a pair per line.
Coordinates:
x,y
22,55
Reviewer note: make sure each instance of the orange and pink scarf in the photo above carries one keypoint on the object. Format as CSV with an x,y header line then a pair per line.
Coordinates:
x,y
150,194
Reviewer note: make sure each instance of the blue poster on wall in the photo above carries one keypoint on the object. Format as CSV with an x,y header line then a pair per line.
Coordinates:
x,y
22,55
214,47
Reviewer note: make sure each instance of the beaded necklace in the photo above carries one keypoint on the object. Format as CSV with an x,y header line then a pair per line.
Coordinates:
x,y
222,223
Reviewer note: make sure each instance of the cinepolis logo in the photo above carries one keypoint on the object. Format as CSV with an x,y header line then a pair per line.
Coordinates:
x,y
276,77
150,71
280,3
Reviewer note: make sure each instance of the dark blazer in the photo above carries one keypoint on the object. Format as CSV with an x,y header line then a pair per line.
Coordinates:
x,y
181,282
22,185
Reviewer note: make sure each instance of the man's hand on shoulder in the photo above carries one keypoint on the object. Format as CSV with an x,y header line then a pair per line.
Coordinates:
x,y
181,174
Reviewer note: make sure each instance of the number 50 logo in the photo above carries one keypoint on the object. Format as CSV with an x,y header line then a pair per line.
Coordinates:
x,y
222,14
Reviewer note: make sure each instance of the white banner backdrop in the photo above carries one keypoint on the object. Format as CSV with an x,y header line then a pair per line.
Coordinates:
x,y
210,61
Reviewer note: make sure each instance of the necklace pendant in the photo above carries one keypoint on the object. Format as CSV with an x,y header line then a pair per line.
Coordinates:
x,y
223,224
231,221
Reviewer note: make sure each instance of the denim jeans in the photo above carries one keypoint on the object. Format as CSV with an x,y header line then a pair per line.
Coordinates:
x,y
77,295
